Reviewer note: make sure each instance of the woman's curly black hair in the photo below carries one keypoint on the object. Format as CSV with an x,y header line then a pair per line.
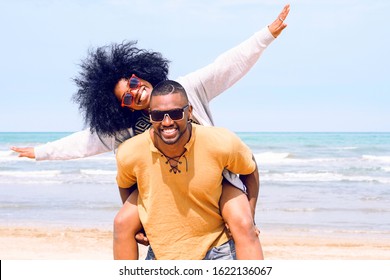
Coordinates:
x,y
101,71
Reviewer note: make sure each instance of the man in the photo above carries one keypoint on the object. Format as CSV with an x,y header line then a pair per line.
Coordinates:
x,y
178,168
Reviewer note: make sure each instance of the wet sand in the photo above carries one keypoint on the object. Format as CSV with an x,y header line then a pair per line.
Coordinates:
x,y
34,243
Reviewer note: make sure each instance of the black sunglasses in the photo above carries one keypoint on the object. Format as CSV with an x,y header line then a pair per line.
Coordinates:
x,y
174,114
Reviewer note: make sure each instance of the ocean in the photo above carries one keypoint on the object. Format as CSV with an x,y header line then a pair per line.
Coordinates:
x,y
311,182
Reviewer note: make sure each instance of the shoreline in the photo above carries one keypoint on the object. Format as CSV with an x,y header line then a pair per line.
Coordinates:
x,y
73,243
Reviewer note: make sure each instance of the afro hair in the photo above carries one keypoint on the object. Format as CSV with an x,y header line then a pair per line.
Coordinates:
x,y
101,71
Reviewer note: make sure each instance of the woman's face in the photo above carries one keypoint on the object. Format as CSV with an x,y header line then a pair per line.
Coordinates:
x,y
141,94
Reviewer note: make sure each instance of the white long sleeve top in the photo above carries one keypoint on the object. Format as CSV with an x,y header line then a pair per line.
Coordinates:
x,y
201,86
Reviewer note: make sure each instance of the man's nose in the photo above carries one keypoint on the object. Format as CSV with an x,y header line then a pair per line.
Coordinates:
x,y
167,120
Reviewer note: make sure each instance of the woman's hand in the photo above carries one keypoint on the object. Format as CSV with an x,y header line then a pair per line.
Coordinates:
x,y
278,25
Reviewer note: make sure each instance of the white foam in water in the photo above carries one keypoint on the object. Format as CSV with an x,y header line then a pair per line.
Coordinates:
x,y
6,153
98,172
376,158
30,182
303,177
31,174
320,177
107,157
346,148
10,156
271,157
386,168
287,158
31,177
299,209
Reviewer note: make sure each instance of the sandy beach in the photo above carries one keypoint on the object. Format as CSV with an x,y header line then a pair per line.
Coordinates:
x,y
22,243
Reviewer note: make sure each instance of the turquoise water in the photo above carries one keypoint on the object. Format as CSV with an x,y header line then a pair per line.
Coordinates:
x,y
332,182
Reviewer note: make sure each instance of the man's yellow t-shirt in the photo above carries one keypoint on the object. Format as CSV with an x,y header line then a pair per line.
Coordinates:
x,y
180,212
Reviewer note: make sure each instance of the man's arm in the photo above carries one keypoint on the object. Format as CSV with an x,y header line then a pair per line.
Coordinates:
x,y
252,183
124,193
77,145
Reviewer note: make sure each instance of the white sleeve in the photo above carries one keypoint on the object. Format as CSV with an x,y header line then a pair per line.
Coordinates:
x,y
77,145
210,81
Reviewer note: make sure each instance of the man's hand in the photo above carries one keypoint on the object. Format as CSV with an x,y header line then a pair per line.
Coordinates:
x,y
278,25
141,238
252,183
24,152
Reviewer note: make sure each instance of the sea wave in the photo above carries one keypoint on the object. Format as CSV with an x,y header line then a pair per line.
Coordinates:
x,y
6,153
297,209
290,158
98,172
386,168
11,156
31,174
271,157
346,148
28,181
76,176
321,177
385,159
98,158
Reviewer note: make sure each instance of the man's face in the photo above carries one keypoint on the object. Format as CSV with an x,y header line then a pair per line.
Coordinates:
x,y
141,94
168,130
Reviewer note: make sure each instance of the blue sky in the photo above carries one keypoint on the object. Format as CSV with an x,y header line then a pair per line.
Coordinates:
x,y
328,71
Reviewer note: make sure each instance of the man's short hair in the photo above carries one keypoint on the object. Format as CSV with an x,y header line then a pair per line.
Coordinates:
x,y
169,87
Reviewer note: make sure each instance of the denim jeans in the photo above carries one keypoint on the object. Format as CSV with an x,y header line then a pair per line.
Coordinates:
x,y
226,251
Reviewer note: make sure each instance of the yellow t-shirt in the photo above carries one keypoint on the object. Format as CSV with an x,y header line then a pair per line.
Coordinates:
x,y
180,212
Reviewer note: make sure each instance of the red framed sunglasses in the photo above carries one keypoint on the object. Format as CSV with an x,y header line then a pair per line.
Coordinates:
x,y
128,98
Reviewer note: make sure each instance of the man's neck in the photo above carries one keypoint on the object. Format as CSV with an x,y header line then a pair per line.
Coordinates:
x,y
172,150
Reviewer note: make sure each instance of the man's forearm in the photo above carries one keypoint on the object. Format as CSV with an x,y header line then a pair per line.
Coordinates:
x,y
124,193
252,183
